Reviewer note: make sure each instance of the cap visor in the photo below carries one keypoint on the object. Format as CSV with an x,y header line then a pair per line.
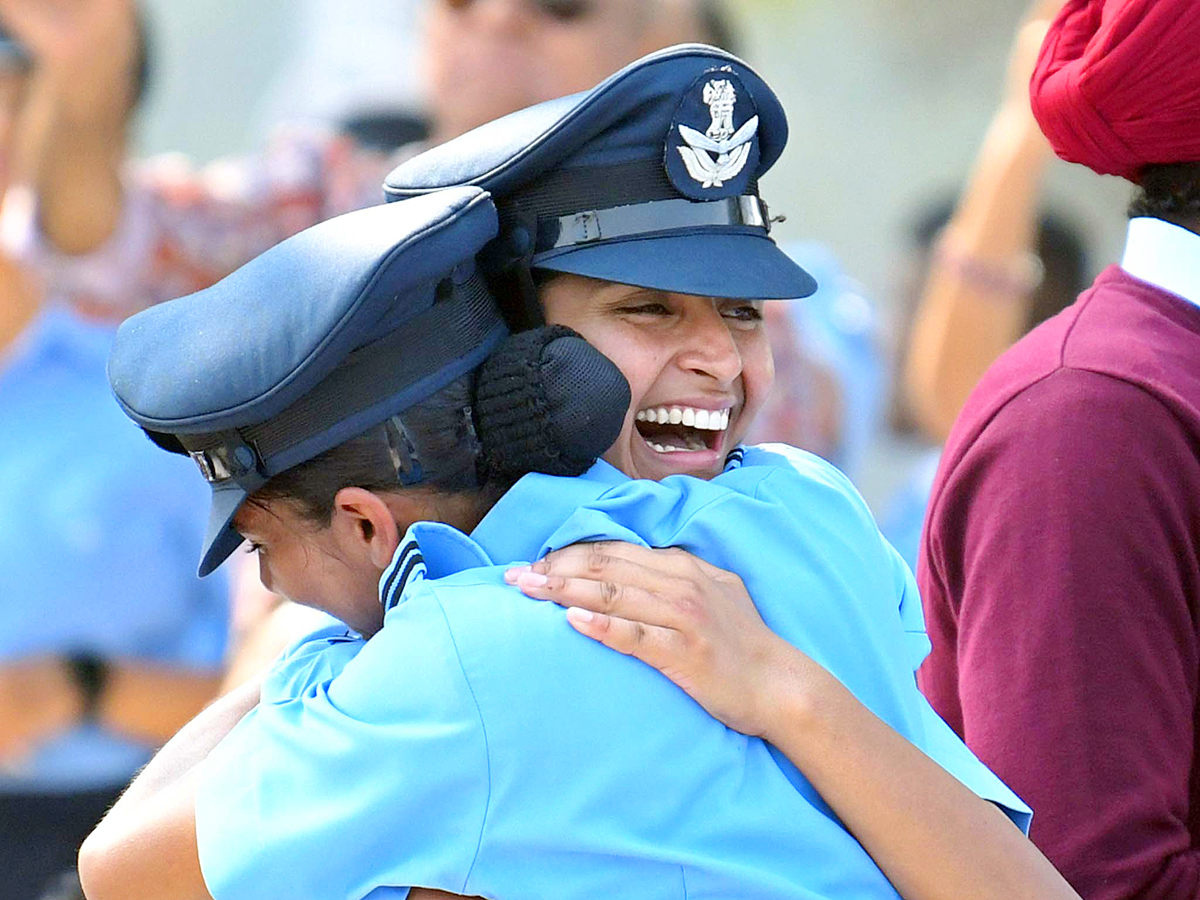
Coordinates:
x,y
739,265
221,539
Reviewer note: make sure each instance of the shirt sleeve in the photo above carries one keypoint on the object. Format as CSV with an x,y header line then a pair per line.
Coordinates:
x,y
851,515
1062,547
375,776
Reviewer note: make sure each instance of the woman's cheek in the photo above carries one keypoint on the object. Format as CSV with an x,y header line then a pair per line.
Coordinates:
x,y
758,377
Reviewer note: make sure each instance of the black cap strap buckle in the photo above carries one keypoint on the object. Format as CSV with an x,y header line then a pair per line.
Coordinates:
x,y
233,458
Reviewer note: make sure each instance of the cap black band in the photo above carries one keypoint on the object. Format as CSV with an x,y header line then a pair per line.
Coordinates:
x,y
648,218
566,192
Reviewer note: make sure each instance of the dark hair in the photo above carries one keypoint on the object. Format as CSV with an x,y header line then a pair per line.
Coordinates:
x,y
384,130
437,431
1169,192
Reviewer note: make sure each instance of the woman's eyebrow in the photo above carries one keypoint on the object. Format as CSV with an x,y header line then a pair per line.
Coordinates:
x,y
639,293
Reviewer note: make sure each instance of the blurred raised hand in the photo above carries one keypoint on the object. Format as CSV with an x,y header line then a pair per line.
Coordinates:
x,y
87,48
979,290
1025,48
86,54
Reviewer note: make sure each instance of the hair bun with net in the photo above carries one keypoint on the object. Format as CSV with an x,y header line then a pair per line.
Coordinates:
x,y
548,401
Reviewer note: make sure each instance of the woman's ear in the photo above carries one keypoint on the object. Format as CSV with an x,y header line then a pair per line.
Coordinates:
x,y
364,523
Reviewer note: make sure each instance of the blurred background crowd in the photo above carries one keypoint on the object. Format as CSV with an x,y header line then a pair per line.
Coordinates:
x,y
147,149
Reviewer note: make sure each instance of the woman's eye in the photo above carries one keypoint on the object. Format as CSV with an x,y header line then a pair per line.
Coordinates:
x,y
647,309
744,313
253,547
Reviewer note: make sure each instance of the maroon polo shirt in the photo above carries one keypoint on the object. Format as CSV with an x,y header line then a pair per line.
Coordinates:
x,y
1060,572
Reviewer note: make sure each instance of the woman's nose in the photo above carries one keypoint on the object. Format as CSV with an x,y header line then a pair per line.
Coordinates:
x,y
710,348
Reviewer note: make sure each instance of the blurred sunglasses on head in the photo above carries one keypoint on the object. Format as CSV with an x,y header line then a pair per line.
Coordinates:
x,y
558,10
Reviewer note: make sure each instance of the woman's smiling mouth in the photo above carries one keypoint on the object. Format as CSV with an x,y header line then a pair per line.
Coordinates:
x,y
679,429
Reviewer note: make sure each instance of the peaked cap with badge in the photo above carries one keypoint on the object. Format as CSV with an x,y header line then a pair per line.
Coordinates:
x,y
343,327
650,178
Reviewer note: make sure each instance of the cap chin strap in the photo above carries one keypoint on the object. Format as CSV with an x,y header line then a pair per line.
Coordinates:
x,y
653,217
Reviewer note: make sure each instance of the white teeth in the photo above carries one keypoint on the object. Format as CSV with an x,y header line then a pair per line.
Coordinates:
x,y
705,419
709,420
666,448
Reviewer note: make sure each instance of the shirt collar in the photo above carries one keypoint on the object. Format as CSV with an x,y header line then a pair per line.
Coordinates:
x,y
512,531
517,526
1164,255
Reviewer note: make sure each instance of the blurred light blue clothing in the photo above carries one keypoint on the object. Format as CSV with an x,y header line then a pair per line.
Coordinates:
x,y
98,537
478,744
904,514
838,327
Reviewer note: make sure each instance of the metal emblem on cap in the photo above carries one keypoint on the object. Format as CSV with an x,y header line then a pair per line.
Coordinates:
x,y
732,148
722,159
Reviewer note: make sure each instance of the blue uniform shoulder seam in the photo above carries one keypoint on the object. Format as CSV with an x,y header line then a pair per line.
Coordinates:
x,y
487,752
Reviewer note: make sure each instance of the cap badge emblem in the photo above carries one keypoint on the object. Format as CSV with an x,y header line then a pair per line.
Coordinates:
x,y
720,153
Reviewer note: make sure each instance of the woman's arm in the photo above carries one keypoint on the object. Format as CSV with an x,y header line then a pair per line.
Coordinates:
x,y
982,273
932,837
146,845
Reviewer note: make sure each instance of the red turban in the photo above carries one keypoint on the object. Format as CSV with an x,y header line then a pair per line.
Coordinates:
x,y
1117,84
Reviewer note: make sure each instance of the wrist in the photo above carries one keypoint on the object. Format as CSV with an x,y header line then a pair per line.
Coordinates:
x,y
791,699
1014,276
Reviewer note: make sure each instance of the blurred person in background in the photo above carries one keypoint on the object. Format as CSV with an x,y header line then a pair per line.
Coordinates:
x,y
1059,568
986,281
1061,267
987,268
108,641
829,371
164,229
343,68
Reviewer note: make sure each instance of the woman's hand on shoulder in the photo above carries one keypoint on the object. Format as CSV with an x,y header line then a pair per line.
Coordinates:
x,y
693,622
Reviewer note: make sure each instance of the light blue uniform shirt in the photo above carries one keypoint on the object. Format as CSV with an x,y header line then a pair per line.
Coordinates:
x,y
479,745
98,537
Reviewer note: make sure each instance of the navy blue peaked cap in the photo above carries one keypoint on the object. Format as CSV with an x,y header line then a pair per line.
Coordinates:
x,y
327,334
650,178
